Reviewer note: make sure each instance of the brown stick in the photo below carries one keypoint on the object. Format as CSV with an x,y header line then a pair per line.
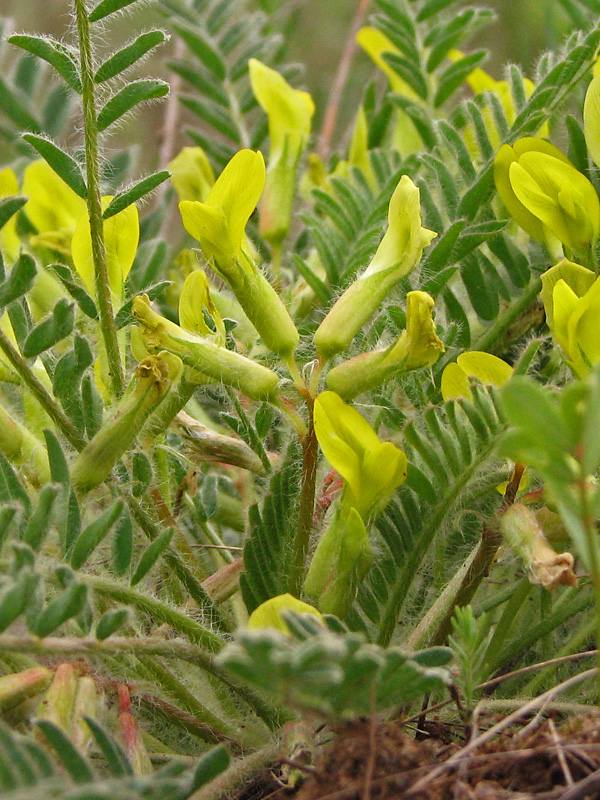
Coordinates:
x,y
339,82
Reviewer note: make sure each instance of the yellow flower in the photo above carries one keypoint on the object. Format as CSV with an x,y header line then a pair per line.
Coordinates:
x,y
544,193
219,222
191,174
571,298
52,207
398,253
290,112
121,237
269,613
372,470
376,44
417,346
9,239
219,225
475,364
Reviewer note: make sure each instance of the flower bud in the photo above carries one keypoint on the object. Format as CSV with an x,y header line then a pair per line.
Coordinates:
x,y
87,704
521,531
340,562
224,582
398,253
150,383
131,736
203,355
57,706
418,346
290,112
20,686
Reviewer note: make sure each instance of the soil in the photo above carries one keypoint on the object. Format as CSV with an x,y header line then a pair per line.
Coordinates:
x,y
383,761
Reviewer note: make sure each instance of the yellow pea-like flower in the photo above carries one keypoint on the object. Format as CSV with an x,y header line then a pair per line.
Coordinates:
x,y
398,253
289,112
486,367
372,470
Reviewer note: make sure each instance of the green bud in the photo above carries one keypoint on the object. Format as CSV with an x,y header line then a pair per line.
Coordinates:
x,y
14,689
148,387
203,355
341,560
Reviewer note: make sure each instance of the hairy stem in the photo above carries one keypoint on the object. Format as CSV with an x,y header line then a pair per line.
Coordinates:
x,y
479,567
307,507
157,611
41,394
94,201
517,317
140,646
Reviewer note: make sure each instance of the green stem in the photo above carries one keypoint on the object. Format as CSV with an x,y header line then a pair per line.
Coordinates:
x,y
180,558
158,612
483,559
307,507
517,311
214,729
94,200
41,394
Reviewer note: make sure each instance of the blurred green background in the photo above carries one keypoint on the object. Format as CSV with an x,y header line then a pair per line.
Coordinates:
x,y
316,31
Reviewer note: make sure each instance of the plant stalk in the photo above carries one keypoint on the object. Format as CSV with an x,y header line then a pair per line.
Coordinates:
x,y
307,506
94,200
491,540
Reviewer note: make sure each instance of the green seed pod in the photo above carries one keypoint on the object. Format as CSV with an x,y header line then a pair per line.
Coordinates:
x,y
93,465
203,355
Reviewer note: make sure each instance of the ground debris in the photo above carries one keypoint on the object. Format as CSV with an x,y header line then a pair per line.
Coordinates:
x,y
550,762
